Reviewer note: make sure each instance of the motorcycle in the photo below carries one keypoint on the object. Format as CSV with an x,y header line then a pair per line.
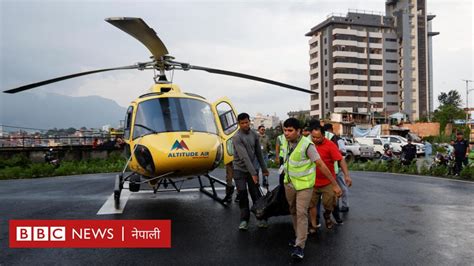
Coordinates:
x,y
388,153
444,160
51,158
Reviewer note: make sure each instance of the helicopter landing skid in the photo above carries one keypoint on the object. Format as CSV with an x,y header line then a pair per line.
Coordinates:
x,y
212,195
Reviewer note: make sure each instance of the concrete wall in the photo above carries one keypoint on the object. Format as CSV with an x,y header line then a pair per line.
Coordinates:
x,y
423,129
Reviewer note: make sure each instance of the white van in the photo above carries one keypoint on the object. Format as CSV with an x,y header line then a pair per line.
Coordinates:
x,y
375,142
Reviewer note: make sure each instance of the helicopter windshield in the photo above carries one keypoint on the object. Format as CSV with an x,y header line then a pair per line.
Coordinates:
x,y
173,114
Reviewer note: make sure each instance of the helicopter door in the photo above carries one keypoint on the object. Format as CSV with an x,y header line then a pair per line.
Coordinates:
x,y
226,119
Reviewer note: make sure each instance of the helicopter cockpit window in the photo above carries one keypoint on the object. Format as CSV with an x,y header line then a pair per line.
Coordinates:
x,y
128,121
227,117
172,115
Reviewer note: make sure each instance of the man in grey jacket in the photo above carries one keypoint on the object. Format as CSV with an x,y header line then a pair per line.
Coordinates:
x,y
248,159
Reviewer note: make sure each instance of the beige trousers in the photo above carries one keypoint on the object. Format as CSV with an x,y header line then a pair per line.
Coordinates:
x,y
299,204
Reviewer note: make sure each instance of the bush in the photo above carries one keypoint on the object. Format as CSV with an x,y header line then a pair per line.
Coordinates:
x,y
20,167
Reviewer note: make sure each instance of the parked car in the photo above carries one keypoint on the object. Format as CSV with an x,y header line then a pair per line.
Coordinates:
x,y
357,151
398,142
376,143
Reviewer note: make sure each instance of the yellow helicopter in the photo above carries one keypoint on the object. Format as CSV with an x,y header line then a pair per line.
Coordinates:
x,y
170,135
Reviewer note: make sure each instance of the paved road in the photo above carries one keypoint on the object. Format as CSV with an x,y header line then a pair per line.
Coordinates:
x,y
393,220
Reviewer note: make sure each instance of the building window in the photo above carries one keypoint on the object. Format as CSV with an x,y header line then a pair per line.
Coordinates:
x,y
390,40
326,94
375,40
375,61
392,82
391,61
391,71
375,83
391,50
392,93
325,62
392,104
325,40
326,84
325,73
327,106
325,51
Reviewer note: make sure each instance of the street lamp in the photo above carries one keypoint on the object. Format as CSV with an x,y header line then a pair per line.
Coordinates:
x,y
467,97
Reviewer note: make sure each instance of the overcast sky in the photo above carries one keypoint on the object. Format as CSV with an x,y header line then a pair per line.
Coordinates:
x,y
46,39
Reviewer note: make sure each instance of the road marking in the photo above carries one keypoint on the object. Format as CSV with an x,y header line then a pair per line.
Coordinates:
x,y
109,205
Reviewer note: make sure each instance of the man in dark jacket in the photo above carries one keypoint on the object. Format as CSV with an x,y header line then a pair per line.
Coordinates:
x,y
409,150
461,151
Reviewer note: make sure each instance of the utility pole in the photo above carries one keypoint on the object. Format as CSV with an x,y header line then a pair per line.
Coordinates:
x,y
467,97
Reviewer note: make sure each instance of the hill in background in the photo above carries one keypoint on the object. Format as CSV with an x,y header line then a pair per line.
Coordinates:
x,y
48,110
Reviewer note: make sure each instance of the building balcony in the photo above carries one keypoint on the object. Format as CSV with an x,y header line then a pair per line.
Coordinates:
x,y
313,39
376,56
314,81
350,76
349,32
376,67
314,60
314,70
350,99
350,88
313,50
349,54
376,45
377,78
349,43
375,34
376,88
349,65
343,109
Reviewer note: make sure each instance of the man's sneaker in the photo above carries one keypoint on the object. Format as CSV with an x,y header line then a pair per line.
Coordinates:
x,y
292,243
339,220
344,209
243,226
262,224
297,253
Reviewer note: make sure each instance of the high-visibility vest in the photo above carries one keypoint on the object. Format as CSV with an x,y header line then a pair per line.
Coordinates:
x,y
299,169
329,136
282,139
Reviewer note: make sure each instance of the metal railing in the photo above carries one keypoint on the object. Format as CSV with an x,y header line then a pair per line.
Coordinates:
x,y
56,141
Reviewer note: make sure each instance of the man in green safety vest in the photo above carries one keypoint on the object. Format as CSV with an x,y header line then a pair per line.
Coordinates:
x,y
300,162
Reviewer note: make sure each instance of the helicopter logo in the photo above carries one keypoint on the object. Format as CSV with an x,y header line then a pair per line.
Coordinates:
x,y
179,145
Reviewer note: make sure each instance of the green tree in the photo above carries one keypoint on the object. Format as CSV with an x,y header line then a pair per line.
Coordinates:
x,y
449,108
451,98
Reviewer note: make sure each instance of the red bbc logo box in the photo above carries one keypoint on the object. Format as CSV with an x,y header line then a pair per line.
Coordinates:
x,y
90,233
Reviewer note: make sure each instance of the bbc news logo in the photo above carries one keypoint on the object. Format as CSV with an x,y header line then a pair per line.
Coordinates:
x,y
40,233
90,233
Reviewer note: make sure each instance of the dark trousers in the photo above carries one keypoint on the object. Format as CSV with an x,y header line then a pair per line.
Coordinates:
x,y
458,164
244,183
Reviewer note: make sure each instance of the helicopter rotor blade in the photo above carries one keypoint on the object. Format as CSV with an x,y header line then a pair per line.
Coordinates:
x,y
45,82
137,28
246,76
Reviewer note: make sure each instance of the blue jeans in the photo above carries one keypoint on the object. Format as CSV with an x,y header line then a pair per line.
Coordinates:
x,y
344,188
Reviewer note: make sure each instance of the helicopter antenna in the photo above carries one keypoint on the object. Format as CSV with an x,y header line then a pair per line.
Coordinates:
x,y
172,75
